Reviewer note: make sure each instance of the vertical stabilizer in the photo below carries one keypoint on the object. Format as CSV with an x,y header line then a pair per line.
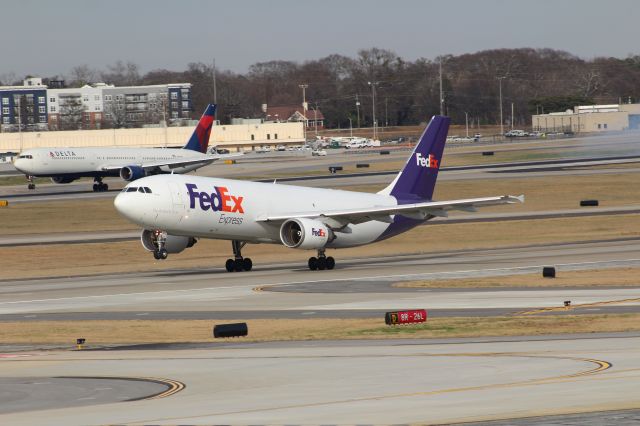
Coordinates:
x,y
199,140
417,179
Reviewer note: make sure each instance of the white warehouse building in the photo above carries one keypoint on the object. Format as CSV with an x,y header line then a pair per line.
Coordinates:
x,y
589,118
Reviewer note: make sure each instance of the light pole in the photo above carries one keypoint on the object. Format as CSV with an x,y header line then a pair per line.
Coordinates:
x,y
304,86
373,85
466,122
441,92
501,122
350,126
358,109
315,118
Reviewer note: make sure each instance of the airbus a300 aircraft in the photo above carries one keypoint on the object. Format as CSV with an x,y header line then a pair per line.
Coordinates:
x,y
64,165
176,210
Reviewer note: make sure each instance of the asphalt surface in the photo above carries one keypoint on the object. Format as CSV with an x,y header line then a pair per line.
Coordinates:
x,y
370,382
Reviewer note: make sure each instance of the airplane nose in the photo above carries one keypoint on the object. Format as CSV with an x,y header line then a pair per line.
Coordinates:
x,y
120,204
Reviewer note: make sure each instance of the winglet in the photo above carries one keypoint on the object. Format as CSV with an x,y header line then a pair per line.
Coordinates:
x,y
199,140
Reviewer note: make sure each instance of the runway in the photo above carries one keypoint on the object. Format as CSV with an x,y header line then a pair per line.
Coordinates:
x,y
355,285
379,382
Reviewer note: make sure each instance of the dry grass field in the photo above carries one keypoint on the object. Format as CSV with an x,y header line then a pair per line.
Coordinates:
x,y
140,331
590,278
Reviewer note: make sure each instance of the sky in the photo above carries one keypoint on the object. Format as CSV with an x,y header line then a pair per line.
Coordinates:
x,y
47,38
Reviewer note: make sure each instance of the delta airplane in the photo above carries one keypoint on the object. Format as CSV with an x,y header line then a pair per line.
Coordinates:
x,y
176,210
64,165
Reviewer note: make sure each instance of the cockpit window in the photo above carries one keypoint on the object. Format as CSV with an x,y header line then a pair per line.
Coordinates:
x,y
132,189
28,156
141,189
147,190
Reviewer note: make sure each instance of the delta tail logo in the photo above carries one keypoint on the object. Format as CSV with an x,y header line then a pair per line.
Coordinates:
x,y
429,162
218,201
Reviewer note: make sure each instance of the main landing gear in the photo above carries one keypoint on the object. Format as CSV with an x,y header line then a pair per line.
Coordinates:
x,y
31,184
98,186
321,262
238,263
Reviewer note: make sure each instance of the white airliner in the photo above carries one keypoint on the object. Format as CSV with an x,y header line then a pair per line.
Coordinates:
x,y
176,210
64,165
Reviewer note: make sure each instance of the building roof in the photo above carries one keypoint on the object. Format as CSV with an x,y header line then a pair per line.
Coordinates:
x,y
288,113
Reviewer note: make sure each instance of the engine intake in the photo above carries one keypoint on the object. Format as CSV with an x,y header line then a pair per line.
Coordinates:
x,y
173,243
131,173
305,234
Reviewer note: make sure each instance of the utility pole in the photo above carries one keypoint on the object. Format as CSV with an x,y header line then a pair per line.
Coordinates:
x,y
501,122
304,86
358,109
350,127
466,121
386,118
441,92
511,115
315,119
373,105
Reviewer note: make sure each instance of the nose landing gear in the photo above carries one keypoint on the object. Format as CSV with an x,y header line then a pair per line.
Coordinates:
x,y
31,184
238,263
321,262
160,253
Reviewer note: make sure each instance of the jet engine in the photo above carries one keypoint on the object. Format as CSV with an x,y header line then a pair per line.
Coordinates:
x,y
62,179
131,173
172,243
305,234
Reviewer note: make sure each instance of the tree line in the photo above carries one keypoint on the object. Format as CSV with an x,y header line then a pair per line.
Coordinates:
x,y
406,92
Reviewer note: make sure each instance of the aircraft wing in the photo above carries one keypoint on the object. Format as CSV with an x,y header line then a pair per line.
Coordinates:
x,y
421,211
178,162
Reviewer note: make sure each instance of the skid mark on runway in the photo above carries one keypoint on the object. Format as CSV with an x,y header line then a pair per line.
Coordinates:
x,y
598,366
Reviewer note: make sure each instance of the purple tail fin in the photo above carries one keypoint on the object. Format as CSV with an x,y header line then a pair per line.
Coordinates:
x,y
199,140
417,179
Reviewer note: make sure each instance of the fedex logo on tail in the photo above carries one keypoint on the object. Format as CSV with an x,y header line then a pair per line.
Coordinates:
x,y
218,200
427,162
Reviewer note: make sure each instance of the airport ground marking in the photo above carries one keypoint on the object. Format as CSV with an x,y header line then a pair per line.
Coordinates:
x,y
573,307
600,366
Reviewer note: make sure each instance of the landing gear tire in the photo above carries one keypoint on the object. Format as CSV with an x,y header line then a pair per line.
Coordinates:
x,y
322,263
31,186
95,187
238,265
331,262
161,254
229,265
247,264
313,263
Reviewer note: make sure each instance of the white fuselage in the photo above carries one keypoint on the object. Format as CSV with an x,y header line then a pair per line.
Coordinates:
x,y
182,205
81,162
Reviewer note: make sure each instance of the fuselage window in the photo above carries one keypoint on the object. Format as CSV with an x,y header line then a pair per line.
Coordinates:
x,y
147,190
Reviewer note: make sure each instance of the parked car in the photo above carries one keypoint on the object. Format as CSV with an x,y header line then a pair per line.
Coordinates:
x,y
319,153
516,133
281,148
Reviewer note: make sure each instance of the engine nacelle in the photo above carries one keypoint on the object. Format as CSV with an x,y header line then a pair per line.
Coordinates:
x,y
305,234
62,179
173,243
131,173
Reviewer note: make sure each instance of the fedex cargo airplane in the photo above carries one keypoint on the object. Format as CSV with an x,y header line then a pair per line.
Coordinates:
x,y
174,211
64,165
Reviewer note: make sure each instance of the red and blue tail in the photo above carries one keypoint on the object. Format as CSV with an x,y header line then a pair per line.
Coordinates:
x,y
199,140
417,179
